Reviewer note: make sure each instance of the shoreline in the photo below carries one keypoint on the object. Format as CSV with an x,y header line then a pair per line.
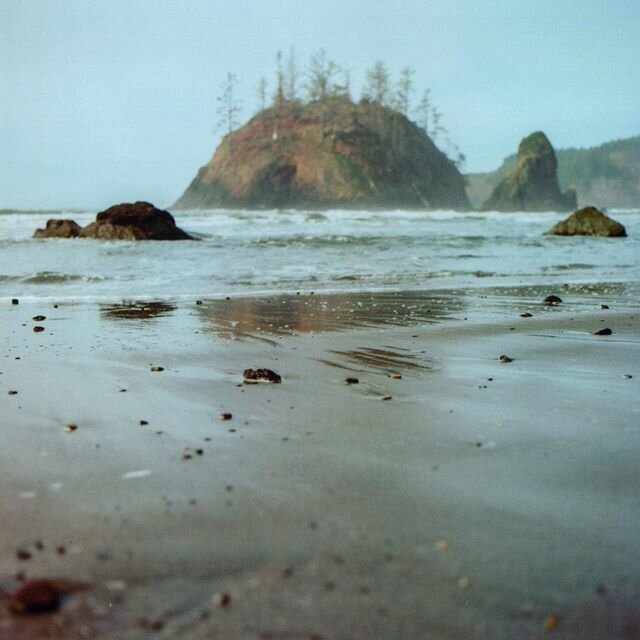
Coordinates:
x,y
462,507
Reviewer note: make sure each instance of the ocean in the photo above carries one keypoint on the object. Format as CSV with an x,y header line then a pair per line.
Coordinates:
x,y
246,253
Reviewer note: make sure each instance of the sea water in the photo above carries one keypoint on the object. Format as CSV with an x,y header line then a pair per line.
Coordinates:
x,y
240,253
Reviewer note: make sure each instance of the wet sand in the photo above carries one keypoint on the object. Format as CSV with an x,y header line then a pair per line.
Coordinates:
x,y
482,500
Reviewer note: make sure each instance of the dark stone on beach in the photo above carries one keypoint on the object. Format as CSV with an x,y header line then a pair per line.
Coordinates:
x,y
504,358
39,318
588,221
261,375
134,221
532,184
526,314
35,596
57,228
604,306
23,554
225,416
387,397
38,329
351,381
143,423
603,332
157,368
13,392
222,599
552,300
198,302
15,301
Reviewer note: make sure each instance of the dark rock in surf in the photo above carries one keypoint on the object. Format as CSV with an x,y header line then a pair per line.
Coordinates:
x,y
57,228
588,221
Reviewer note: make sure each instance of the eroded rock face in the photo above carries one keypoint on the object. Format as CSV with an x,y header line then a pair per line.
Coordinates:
x,y
532,184
588,221
57,228
326,154
127,221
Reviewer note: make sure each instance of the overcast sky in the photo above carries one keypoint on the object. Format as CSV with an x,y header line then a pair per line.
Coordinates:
x,y
103,101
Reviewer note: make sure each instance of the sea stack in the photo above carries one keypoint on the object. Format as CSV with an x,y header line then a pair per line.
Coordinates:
x,y
327,153
532,184
588,221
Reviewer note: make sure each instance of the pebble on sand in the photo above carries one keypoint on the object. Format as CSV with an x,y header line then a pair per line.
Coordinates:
x,y
603,332
504,358
526,314
70,427
552,300
35,596
157,368
222,599
225,416
394,375
15,301
252,376
39,318
38,329
351,381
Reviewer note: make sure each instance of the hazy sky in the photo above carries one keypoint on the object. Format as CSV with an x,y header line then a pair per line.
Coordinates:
x,y
103,101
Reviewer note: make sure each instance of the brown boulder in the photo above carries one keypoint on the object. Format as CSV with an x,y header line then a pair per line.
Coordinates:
x,y
588,221
57,228
137,221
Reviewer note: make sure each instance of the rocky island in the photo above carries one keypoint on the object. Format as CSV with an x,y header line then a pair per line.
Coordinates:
x,y
327,153
532,183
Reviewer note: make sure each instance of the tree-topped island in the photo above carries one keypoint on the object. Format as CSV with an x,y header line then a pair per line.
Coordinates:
x,y
328,151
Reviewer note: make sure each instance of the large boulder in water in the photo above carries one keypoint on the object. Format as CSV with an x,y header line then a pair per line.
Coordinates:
x,y
588,221
532,184
57,228
327,153
137,221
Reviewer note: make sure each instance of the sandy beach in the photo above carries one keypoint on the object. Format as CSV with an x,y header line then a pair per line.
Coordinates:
x,y
446,495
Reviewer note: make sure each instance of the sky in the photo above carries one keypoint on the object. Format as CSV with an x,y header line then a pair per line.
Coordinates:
x,y
104,101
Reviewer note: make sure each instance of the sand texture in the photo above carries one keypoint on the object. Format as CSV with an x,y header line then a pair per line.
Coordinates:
x,y
446,495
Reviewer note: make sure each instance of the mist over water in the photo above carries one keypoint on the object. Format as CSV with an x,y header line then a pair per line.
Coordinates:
x,y
258,252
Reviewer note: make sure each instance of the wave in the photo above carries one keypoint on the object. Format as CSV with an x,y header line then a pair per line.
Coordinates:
x,y
53,277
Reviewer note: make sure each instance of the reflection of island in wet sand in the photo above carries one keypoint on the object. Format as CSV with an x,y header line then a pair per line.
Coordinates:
x,y
242,318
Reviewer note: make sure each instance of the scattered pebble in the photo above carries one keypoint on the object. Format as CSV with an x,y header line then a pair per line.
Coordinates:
x,y
351,381
526,314
394,376
464,583
38,329
35,596
603,332
39,318
551,623
12,392
387,397
70,427
252,376
604,306
15,301
628,376
23,555
552,300
225,416
222,599
198,301
504,358
143,423
157,368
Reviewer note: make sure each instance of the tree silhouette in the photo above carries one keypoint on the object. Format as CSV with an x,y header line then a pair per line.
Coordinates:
x,y
228,107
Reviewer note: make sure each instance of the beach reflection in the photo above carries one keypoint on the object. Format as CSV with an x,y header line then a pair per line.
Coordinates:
x,y
136,310
278,315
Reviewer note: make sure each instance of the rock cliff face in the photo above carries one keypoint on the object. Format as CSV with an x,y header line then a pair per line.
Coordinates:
x,y
532,184
588,222
136,221
327,154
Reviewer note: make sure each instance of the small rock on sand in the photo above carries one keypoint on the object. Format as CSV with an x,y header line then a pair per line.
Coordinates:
x,y
351,381
222,599
157,368
504,358
552,300
39,318
38,329
35,596
394,375
225,416
603,332
526,314
261,375
70,427
15,301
